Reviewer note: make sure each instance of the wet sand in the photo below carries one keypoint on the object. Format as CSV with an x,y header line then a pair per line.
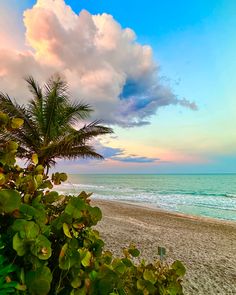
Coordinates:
x,y
206,246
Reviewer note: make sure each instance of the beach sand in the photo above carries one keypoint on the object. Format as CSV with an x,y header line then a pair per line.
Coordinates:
x,y
207,247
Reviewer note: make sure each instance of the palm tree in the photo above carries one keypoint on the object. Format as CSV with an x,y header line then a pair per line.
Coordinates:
x,y
51,123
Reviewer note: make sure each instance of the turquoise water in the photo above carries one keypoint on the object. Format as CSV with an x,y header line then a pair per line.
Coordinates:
x,y
211,195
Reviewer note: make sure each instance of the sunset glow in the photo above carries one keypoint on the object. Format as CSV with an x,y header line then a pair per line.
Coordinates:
x,y
168,91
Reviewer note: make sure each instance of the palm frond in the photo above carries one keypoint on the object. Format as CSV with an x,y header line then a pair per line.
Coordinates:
x,y
56,98
14,110
83,151
93,130
34,88
74,112
36,104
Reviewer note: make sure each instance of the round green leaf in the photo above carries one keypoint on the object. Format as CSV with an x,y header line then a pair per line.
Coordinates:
x,y
69,256
39,281
35,159
28,230
19,245
41,248
12,146
3,119
27,211
2,178
74,207
76,282
96,214
149,275
179,268
66,230
134,252
9,200
17,123
85,257
51,197
39,169
119,266
63,176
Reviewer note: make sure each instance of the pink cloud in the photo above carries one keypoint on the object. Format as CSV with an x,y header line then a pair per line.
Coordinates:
x,y
103,63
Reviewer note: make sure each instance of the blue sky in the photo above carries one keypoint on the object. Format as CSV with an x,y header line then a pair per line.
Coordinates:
x,y
193,46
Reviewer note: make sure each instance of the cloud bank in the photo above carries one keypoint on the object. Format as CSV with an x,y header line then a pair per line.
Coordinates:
x,y
114,154
103,63
118,154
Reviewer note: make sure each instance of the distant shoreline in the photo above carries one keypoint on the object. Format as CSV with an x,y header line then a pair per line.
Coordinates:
x,y
169,212
205,245
225,173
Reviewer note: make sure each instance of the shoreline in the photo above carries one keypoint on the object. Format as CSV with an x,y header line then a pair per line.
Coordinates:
x,y
166,211
206,246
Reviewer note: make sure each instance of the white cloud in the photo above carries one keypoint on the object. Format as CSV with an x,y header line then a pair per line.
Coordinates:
x,y
102,62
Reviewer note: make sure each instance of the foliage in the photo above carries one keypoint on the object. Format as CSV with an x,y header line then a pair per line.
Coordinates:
x,y
52,247
7,270
47,124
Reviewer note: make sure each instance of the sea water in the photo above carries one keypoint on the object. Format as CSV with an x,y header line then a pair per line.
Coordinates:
x,y
210,195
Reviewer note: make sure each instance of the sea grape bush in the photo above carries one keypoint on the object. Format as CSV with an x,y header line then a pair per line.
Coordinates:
x,y
48,244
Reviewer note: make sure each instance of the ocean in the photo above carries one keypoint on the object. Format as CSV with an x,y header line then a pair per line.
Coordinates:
x,y
209,195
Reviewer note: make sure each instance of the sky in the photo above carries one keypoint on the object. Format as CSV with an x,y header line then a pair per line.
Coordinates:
x,y
161,73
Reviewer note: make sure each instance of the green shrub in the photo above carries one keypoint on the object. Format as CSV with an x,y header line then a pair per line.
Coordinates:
x,y
51,245
7,272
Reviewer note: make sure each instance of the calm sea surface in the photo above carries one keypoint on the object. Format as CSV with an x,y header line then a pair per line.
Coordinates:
x,y
211,195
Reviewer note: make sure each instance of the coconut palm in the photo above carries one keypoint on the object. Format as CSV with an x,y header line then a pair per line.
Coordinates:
x,y
51,124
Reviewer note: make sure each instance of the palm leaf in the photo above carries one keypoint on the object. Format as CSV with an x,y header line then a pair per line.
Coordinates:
x,y
16,111
36,104
54,104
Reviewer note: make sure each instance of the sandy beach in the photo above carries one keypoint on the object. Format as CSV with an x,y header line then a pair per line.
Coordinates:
x,y
206,246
